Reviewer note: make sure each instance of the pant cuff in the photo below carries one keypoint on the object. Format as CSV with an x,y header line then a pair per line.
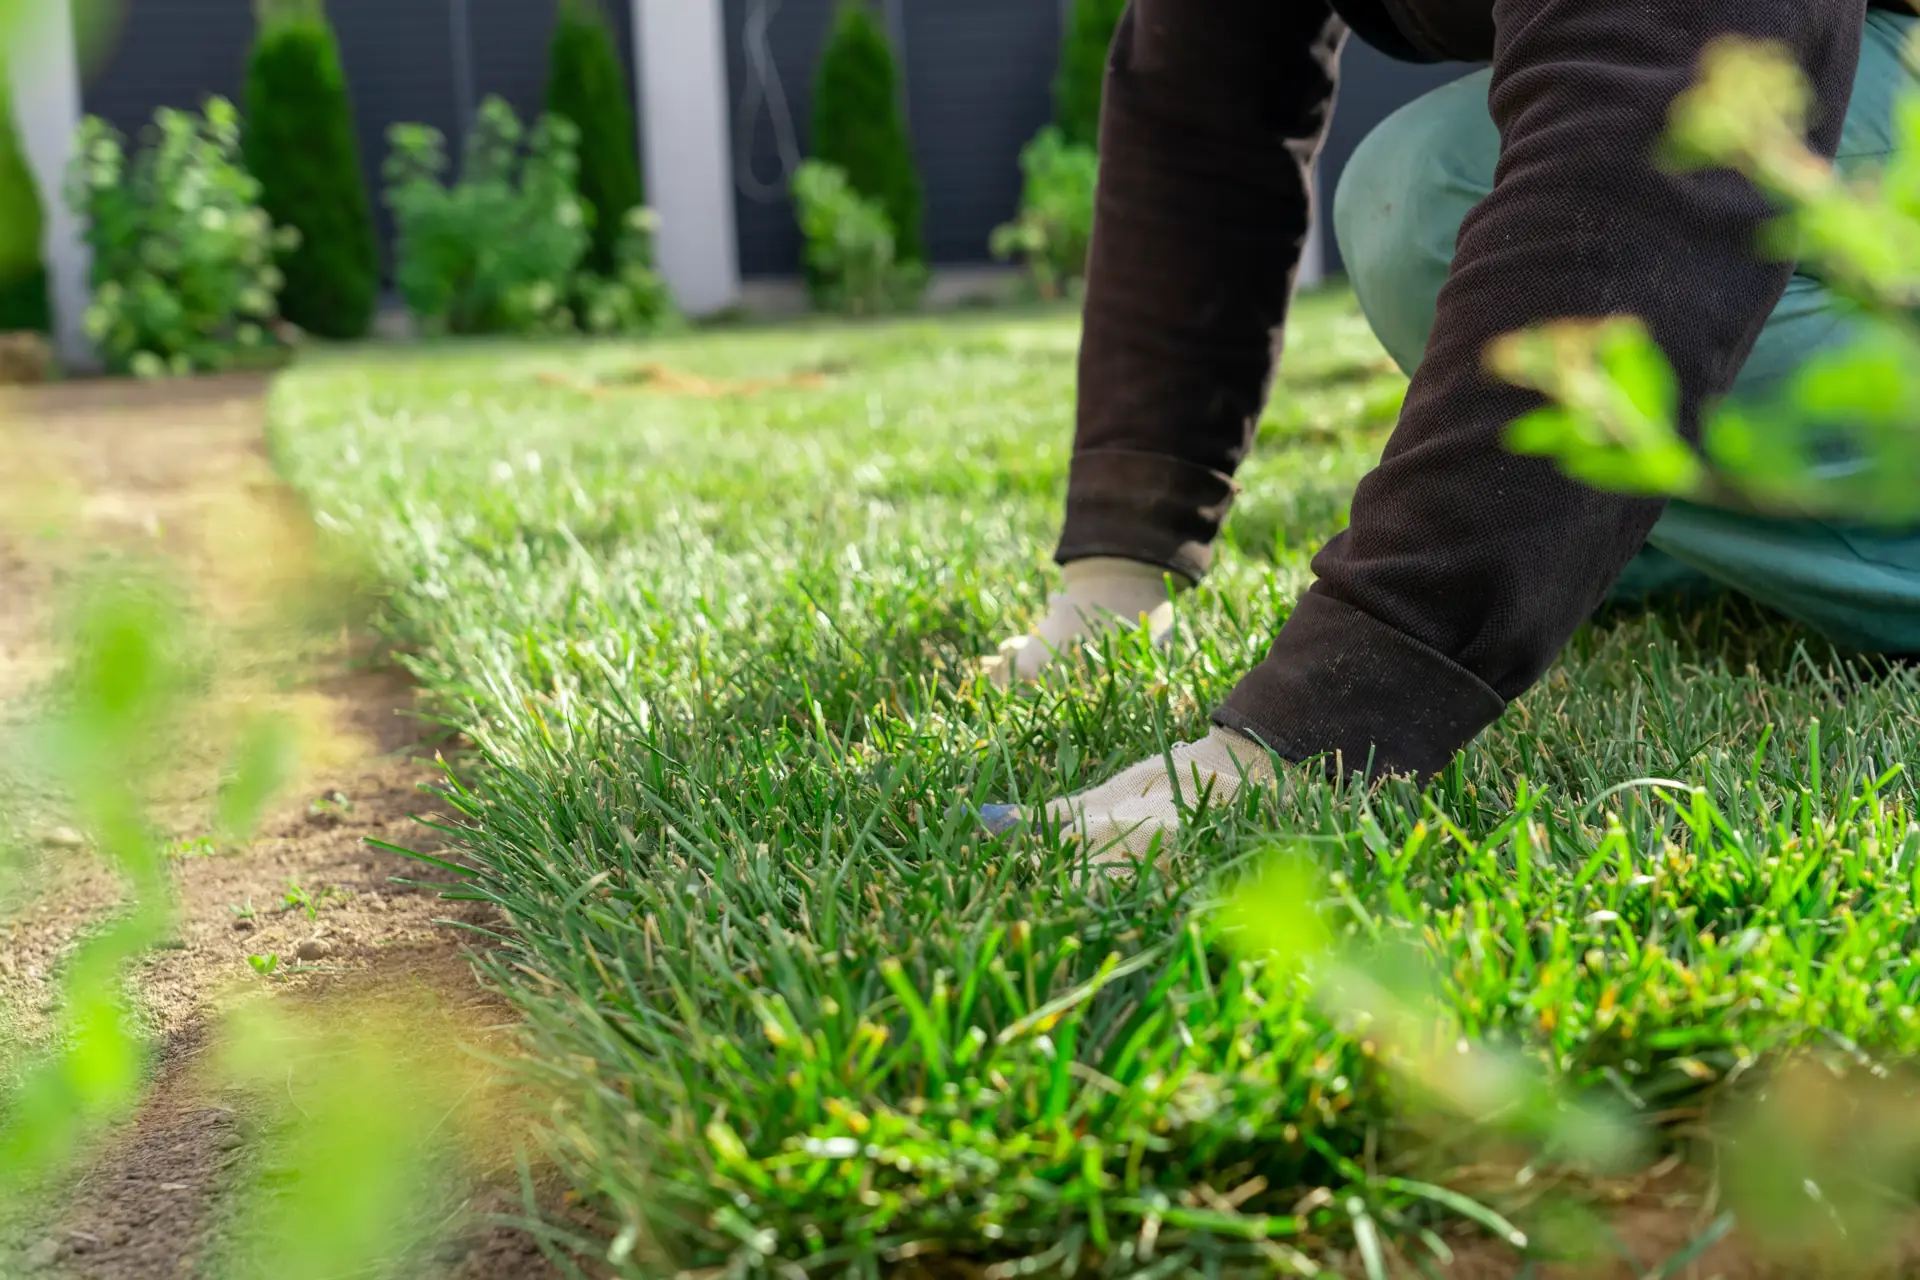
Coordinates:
x,y
1146,507
1343,687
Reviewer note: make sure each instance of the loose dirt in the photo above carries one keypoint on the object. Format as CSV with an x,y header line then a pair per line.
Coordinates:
x,y
657,379
178,474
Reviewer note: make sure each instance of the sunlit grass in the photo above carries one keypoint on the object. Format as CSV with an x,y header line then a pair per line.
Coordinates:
x,y
788,1009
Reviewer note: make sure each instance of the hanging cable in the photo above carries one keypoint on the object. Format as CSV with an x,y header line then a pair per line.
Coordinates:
x,y
763,90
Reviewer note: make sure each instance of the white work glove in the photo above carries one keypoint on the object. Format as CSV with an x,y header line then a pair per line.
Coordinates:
x,y
1101,593
1119,820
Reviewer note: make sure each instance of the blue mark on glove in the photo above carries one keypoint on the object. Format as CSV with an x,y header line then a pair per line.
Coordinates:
x,y
998,819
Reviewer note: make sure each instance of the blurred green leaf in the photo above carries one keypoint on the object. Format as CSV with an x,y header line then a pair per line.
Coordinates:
x,y
1611,423
1871,382
367,1109
118,686
1274,915
261,767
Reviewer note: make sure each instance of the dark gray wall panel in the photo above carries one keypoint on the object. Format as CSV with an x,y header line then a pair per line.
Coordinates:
x,y
169,53
978,77
510,53
979,86
769,240
398,56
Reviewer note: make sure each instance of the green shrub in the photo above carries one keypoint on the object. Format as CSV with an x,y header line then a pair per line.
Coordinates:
x,y
858,127
23,276
633,298
498,250
1055,226
851,256
1083,68
300,143
588,86
183,254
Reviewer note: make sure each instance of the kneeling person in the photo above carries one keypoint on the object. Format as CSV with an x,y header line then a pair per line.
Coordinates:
x,y
1520,195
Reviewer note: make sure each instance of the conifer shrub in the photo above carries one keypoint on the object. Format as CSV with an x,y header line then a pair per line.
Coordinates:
x,y
299,143
1083,68
587,85
23,275
858,126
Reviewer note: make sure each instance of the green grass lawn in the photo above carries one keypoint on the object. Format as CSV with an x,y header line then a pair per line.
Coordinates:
x,y
789,1011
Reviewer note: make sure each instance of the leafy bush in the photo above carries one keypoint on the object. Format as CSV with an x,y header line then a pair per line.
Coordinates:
x,y
851,256
1840,440
858,127
634,298
498,250
23,276
300,144
588,86
1055,225
183,255
1083,68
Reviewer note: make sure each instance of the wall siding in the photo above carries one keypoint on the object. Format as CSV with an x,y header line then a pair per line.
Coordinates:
x,y
978,85
400,70
769,238
169,53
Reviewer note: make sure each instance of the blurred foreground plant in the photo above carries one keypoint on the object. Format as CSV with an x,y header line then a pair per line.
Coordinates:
x,y
1843,436
123,681
360,1109
363,1109
120,697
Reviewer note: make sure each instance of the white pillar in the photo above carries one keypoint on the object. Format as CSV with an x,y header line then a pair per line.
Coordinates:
x,y
680,60
46,108
1313,258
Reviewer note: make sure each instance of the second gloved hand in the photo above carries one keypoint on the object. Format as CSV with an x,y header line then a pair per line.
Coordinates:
x,y
1101,593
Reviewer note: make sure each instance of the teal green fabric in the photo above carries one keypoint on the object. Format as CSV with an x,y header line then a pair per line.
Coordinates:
x,y
1397,214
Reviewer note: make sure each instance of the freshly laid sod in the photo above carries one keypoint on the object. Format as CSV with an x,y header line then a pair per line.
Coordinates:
x,y
710,623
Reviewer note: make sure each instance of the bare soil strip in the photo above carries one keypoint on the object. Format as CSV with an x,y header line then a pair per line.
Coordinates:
x,y
181,470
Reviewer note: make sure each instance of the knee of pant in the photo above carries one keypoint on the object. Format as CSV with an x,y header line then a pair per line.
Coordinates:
x,y
1399,205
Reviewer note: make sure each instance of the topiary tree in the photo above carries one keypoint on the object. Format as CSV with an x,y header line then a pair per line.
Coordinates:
x,y
1083,68
23,275
587,85
858,126
299,142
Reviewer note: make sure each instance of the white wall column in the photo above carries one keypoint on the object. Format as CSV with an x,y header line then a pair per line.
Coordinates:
x,y
45,72
1313,259
680,60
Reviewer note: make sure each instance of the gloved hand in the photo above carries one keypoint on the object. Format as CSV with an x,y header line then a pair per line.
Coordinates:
x,y
1101,593
1119,820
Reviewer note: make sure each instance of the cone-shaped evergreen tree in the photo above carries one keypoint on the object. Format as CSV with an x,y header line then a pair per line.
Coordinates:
x,y
300,143
858,126
23,276
587,85
1083,68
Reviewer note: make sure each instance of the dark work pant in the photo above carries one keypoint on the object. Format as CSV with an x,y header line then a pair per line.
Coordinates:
x,y
1465,568
1129,469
